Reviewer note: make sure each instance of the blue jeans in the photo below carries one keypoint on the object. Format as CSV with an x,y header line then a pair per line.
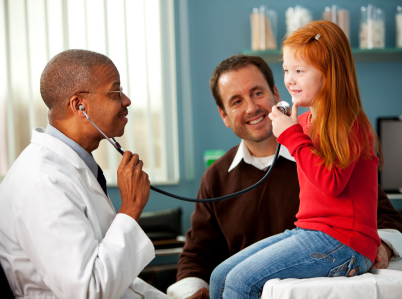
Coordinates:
x,y
297,253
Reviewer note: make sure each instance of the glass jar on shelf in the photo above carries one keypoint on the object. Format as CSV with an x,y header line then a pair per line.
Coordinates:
x,y
398,22
263,29
339,16
372,28
297,17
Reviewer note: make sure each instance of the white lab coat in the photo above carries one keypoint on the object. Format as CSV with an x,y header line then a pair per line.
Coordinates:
x,y
59,234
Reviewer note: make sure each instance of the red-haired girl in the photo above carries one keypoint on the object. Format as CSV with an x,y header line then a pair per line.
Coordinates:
x,y
336,230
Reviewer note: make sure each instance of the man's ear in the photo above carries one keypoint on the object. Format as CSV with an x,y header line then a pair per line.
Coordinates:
x,y
277,95
224,117
74,105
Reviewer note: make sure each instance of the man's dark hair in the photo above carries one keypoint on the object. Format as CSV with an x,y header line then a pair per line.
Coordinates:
x,y
66,74
234,63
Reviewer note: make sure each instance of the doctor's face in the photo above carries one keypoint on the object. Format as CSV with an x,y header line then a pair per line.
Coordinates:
x,y
109,109
248,100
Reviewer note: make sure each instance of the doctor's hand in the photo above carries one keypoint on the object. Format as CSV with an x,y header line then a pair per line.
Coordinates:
x,y
133,184
384,254
281,122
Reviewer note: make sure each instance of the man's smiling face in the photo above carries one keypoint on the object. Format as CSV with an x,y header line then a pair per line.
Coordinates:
x,y
248,100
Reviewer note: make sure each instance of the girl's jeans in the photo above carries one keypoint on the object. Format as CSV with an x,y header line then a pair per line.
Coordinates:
x,y
297,253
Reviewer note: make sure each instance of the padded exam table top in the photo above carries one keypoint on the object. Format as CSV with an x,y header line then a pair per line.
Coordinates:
x,y
376,284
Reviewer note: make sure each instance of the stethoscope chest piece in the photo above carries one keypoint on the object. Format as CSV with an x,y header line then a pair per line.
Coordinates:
x,y
284,107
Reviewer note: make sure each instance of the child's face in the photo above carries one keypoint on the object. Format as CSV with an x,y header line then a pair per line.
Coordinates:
x,y
303,81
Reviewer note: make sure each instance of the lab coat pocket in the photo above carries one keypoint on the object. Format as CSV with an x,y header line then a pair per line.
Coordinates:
x,y
345,268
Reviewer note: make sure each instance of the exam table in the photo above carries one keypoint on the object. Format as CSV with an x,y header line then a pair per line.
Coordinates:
x,y
376,284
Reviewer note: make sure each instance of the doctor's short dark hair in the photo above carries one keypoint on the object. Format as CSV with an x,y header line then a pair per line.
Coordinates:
x,y
66,74
234,63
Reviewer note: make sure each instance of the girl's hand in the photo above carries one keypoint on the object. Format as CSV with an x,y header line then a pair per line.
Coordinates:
x,y
280,121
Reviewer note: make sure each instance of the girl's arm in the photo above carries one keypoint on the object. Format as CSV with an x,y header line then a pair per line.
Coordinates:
x,y
331,182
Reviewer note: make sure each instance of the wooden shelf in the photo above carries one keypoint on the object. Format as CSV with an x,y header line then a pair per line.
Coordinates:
x,y
388,54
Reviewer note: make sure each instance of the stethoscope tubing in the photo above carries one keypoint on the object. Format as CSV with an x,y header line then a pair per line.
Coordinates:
x,y
278,147
117,146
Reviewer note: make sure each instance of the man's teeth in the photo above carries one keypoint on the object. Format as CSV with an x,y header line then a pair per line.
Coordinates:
x,y
253,122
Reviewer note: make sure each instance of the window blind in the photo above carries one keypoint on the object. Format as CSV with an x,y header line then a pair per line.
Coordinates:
x,y
137,35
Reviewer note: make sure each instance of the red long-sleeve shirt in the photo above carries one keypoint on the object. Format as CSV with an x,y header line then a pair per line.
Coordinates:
x,y
339,202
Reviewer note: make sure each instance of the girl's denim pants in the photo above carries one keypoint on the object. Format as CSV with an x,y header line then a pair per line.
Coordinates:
x,y
297,253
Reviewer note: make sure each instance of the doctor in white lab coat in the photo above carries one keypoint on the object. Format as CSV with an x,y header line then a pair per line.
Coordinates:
x,y
59,234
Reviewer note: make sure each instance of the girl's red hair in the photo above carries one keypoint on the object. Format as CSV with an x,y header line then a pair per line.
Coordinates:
x,y
338,105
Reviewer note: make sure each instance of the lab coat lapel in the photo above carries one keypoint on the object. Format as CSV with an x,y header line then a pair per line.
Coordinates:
x,y
56,145
93,183
40,137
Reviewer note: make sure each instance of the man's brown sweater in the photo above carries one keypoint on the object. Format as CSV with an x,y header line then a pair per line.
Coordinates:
x,y
221,229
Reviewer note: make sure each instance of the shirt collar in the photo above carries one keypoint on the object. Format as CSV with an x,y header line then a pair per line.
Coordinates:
x,y
244,154
84,155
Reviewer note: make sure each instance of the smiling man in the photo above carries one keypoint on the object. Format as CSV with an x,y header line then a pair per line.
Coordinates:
x,y
244,91
59,234
248,99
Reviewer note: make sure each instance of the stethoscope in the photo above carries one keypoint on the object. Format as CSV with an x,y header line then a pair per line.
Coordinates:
x,y
283,106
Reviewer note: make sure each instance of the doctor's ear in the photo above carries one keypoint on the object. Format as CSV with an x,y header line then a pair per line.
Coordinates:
x,y
77,106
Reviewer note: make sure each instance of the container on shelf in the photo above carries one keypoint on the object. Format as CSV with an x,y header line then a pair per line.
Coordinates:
x,y
372,28
297,17
398,21
339,16
263,29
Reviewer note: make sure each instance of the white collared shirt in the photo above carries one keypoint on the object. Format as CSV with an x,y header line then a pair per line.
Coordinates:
x,y
261,163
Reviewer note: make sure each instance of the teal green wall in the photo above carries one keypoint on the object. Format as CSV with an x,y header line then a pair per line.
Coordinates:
x,y
221,28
